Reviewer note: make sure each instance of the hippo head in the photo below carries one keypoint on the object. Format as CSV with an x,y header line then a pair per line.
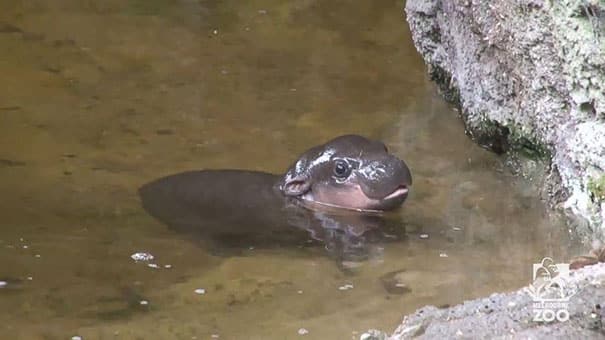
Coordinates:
x,y
350,172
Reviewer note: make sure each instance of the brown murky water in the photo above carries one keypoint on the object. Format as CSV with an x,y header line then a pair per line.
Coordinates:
x,y
98,98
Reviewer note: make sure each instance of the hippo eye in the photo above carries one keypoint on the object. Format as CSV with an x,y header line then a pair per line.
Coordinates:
x,y
342,169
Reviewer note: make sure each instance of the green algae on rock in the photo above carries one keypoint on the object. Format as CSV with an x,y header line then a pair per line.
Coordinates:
x,y
596,187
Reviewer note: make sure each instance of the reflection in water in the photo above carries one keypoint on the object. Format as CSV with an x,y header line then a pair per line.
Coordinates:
x,y
99,97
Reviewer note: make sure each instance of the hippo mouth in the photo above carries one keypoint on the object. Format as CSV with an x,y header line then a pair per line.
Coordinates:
x,y
400,191
354,198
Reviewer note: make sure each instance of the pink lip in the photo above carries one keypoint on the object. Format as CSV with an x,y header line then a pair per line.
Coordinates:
x,y
400,191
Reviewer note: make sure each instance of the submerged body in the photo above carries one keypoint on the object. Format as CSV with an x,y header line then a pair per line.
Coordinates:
x,y
329,195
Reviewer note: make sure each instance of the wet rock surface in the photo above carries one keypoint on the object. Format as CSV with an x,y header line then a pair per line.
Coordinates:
x,y
528,76
511,315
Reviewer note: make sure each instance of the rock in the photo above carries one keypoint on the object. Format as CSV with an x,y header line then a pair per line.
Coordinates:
x,y
512,314
526,81
373,334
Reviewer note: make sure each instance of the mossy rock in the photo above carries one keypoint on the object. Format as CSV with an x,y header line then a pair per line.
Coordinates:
x,y
490,134
504,138
596,187
529,146
444,80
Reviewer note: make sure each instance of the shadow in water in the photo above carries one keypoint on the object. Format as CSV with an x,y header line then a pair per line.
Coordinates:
x,y
230,211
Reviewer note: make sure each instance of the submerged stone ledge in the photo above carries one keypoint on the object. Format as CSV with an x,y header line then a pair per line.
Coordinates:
x,y
527,75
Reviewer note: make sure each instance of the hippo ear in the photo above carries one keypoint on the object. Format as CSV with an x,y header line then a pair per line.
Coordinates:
x,y
296,186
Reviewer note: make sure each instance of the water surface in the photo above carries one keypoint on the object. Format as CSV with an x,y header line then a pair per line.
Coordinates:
x,y
98,98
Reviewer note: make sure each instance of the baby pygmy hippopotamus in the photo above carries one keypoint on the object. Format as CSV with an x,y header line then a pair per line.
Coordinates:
x,y
348,174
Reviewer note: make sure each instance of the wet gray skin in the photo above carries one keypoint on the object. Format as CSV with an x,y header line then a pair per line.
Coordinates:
x,y
330,196
350,172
